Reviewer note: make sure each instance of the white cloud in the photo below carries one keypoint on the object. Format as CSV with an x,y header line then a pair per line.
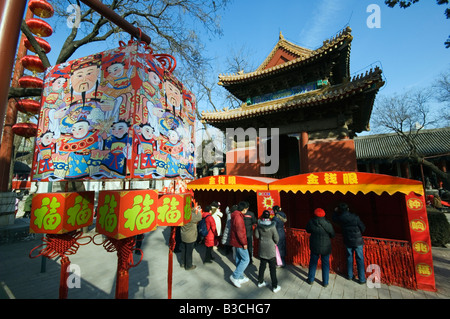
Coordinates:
x,y
321,24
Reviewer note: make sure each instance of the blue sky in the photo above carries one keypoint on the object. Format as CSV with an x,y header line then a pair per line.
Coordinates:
x,y
408,46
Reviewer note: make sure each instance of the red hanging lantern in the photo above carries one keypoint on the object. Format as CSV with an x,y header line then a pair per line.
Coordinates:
x,y
28,106
30,82
33,63
42,43
39,27
41,8
25,129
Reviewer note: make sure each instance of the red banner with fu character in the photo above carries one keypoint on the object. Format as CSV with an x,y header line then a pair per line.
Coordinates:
x,y
420,241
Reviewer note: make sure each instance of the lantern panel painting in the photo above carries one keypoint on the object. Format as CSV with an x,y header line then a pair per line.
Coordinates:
x,y
113,115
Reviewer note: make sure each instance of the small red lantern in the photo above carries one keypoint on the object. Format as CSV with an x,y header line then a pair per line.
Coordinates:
x,y
43,44
28,106
30,82
41,8
25,129
39,27
33,63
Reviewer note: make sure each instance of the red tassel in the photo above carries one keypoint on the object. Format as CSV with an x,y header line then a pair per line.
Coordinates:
x,y
61,245
63,289
122,284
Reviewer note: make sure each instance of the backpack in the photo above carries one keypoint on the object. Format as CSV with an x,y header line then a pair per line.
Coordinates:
x,y
201,227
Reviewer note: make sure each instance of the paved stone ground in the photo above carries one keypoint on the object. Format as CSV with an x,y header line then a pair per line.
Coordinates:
x,y
21,276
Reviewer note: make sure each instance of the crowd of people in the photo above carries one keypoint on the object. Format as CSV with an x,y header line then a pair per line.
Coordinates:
x,y
242,225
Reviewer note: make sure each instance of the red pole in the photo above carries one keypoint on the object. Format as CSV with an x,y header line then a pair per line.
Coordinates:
x,y
117,19
11,14
170,268
7,141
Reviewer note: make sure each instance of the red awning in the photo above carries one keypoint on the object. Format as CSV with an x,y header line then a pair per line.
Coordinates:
x,y
230,182
347,182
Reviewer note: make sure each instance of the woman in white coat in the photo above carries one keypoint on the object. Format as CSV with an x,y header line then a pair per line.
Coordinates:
x,y
217,215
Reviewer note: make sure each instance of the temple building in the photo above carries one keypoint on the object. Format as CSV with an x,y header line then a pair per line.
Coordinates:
x,y
310,97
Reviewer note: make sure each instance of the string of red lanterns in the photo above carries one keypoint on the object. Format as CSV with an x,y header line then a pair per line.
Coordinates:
x,y
43,10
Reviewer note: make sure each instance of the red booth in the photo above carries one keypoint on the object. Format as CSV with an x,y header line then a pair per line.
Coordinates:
x,y
393,209
397,237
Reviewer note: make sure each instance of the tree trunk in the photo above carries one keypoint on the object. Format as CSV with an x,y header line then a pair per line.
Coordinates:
x,y
445,177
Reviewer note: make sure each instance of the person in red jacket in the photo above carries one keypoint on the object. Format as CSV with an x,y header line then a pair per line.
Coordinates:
x,y
238,239
212,233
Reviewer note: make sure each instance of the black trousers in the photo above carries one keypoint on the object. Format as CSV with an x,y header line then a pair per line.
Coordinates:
x,y
188,248
272,268
208,254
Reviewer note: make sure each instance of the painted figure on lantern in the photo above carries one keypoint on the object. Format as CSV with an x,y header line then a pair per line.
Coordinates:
x,y
189,108
151,84
172,146
56,92
81,149
190,166
173,94
145,164
167,122
150,93
46,148
117,84
85,98
117,144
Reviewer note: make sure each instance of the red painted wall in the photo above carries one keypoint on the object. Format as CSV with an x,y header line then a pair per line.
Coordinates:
x,y
333,155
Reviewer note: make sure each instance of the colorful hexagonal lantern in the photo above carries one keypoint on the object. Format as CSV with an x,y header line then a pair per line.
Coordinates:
x,y
123,214
58,213
174,209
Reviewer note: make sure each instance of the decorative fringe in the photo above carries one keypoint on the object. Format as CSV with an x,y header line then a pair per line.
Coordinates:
x,y
63,289
124,248
122,283
61,245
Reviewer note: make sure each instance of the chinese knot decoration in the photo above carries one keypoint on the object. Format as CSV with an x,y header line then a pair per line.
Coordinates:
x,y
121,215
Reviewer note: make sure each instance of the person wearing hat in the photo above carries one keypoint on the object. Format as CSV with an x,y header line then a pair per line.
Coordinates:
x,y
321,232
268,237
352,229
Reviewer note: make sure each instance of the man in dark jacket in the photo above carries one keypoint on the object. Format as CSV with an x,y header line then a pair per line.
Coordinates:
x,y
352,229
280,219
250,222
238,239
320,244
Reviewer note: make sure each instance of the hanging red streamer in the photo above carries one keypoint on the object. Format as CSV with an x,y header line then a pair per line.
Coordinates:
x,y
61,245
125,248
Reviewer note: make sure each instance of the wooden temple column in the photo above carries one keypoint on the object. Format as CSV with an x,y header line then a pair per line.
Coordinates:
x,y
303,150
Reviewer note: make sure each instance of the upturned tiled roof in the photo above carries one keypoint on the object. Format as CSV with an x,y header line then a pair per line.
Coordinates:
x,y
328,94
383,146
304,56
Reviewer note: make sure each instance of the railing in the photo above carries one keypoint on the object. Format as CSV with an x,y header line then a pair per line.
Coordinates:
x,y
393,257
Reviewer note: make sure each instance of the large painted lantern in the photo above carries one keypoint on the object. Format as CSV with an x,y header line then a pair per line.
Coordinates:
x,y
118,114
114,115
